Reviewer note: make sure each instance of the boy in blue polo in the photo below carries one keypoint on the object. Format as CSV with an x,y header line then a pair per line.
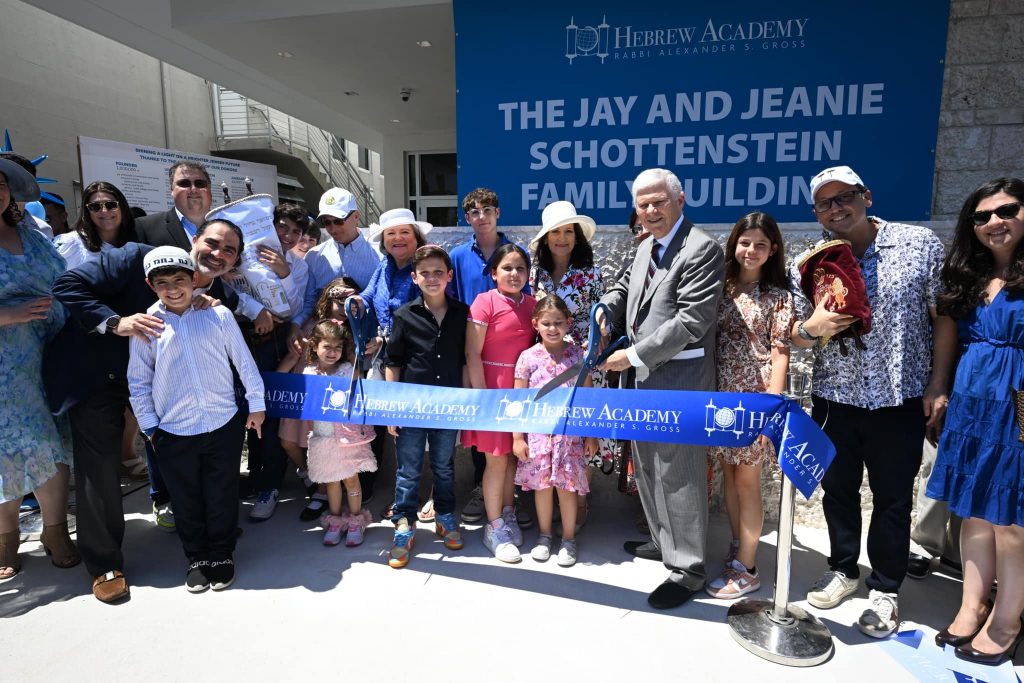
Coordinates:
x,y
427,346
183,396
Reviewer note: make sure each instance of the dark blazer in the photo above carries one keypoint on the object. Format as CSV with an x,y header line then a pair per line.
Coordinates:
x,y
162,230
80,360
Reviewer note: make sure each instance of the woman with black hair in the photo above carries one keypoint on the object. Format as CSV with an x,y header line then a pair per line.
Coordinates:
x,y
979,469
106,222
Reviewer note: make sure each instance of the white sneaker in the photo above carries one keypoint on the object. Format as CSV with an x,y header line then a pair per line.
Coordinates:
x,y
508,514
263,508
735,581
882,617
499,542
542,551
567,553
831,589
474,510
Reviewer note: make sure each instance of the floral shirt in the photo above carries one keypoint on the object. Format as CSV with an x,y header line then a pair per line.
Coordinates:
x,y
580,289
902,272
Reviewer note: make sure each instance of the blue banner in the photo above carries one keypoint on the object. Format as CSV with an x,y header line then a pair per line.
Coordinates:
x,y
745,101
682,417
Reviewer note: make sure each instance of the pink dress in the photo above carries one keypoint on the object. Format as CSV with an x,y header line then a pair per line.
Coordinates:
x,y
509,333
555,460
338,450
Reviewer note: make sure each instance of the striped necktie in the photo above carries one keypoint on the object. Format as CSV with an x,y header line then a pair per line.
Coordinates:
x,y
652,267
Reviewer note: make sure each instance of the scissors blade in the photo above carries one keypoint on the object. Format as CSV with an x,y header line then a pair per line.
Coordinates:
x,y
558,380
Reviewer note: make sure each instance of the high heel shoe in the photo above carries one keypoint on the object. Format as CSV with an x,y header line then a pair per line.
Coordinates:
x,y
969,654
58,545
944,637
9,542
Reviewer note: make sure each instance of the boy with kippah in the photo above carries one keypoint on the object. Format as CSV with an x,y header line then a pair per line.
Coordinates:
x,y
183,396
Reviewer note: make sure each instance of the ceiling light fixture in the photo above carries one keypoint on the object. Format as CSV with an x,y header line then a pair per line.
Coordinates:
x,y
424,43
284,54
351,93
395,121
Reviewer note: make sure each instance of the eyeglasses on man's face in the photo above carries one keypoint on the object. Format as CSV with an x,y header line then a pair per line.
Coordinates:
x,y
841,199
477,213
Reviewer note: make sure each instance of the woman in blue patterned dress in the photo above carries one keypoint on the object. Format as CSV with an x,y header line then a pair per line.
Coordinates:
x,y
980,465
32,457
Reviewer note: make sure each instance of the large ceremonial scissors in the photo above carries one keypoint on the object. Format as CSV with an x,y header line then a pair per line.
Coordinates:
x,y
358,325
590,361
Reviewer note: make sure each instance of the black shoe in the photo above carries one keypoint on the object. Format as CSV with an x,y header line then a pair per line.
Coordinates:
x,y
222,574
968,653
316,506
669,594
918,566
197,577
644,550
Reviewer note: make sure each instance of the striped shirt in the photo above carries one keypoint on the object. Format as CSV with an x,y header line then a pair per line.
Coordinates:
x,y
182,382
329,260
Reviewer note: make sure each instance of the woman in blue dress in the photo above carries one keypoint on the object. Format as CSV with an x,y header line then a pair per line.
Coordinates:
x,y
980,465
32,457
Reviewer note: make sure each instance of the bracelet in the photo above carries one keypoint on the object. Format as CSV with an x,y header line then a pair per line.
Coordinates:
x,y
804,334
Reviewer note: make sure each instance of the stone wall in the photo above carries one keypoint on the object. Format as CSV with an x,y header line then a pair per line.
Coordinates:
x,y
981,123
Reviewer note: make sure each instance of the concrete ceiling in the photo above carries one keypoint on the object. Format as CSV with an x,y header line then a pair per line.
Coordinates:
x,y
367,47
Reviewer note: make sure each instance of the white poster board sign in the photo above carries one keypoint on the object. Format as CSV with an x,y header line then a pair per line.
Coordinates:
x,y
140,172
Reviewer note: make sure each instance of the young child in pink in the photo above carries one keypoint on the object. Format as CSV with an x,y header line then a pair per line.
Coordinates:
x,y
548,461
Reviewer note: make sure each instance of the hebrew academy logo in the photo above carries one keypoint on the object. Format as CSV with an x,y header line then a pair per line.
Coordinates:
x,y
334,400
517,411
724,419
586,41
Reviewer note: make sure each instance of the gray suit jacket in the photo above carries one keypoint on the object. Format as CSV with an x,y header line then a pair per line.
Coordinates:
x,y
679,310
162,230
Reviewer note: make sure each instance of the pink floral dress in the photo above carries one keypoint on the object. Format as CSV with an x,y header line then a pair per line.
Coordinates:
x,y
580,289
555,460
749,327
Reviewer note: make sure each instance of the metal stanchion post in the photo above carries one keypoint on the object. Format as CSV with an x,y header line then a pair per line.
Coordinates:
x,y
774,629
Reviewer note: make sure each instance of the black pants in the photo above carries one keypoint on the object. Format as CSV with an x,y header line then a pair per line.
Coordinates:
x,y
887,441
97,425
202,477
267,460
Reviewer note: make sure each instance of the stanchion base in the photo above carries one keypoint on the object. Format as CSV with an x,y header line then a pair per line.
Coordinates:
x,y
801,641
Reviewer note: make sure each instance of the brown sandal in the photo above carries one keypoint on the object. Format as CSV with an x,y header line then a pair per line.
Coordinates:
x,y
58,544
9,561
110,587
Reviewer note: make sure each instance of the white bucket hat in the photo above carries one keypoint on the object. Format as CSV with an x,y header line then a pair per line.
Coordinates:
x,y
390,219
557,214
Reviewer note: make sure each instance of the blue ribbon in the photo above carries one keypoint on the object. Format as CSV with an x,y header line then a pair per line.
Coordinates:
x,y
682,417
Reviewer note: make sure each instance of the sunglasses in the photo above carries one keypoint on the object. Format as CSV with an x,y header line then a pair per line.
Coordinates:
x,y
96,207
842,199
185,184
330,222
1005,212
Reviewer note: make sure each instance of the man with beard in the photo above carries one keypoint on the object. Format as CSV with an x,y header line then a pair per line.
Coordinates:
x,y
86,369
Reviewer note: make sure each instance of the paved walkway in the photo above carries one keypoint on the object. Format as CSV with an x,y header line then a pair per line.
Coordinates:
x,y
301,611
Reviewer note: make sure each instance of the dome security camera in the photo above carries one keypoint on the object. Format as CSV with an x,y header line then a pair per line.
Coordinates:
x,y
406,93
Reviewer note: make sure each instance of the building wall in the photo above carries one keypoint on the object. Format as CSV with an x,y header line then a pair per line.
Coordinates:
x,y
60,81
981,125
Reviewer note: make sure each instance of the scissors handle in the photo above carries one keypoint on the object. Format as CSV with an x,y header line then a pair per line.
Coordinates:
x,y
357,324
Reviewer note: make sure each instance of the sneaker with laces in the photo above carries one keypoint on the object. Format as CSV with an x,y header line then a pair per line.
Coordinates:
x,y
164,517
401,546
882,617
354,536
332,530
474,510
567,553
448,529
498,539
542,551
735,581
508,514
263,508
831,589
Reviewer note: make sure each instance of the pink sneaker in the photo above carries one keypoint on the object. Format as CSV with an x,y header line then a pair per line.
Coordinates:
x,y
734,582
332,529
356,524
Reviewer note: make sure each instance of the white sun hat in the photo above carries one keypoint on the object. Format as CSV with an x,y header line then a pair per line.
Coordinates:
x,y
390,219
557,214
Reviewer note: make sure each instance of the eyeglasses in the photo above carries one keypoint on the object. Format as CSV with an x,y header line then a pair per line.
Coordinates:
x,y
841,199
477,213
185,184
1005,212
330,222
96,207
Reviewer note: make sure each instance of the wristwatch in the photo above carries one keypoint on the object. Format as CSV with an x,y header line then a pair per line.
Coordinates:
x,y
804,334
111,325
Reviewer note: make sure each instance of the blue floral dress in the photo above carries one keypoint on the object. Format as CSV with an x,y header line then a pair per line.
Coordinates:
x,y
31,447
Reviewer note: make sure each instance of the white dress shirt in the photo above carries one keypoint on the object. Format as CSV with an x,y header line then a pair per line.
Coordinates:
x,y
71,246
182,382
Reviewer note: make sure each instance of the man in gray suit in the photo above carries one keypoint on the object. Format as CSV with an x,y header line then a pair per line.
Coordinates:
x,y
667,302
